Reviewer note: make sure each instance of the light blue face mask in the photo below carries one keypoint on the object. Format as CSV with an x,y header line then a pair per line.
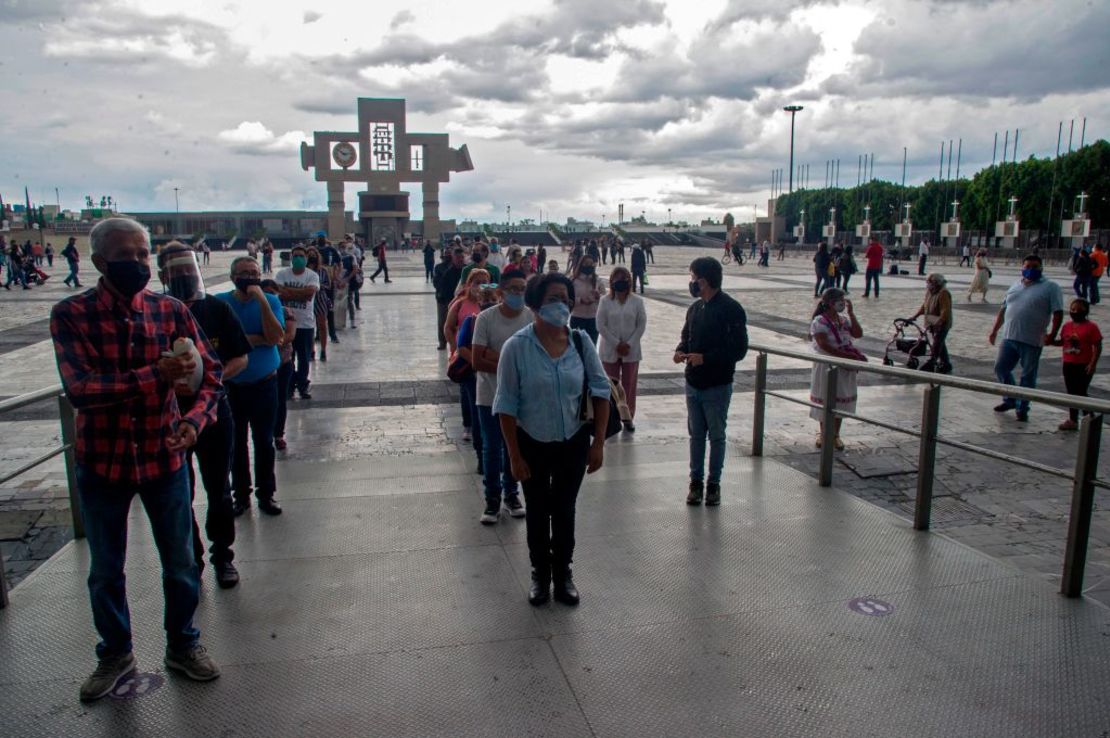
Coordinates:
x,y
514,302
556,314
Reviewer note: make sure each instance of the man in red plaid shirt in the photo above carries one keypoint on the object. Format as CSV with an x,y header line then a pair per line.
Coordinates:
x,y
131,440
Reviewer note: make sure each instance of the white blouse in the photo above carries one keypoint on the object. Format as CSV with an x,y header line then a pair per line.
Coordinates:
x,y
621,323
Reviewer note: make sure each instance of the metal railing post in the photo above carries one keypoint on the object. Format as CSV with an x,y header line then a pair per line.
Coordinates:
x,y
828,430
759,415
69,440
1082,505
927,457
3,583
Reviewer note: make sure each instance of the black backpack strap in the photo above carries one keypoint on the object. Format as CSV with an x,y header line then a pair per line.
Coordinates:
x,y
576,336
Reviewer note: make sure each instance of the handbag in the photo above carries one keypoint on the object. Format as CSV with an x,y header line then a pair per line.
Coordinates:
x,y
618,408
460,370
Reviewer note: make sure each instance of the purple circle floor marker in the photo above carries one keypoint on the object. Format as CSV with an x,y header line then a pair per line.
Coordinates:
x,y
871,606
136,686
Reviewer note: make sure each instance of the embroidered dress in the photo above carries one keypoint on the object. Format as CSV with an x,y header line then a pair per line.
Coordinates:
x,y
839,336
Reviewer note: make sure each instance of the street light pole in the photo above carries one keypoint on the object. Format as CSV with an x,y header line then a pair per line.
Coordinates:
x,y
176,204
792,109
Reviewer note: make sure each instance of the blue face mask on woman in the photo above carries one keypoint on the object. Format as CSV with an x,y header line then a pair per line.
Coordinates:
x,y
556,314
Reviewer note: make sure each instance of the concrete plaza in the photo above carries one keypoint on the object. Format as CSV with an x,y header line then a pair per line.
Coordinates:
x,y
378,606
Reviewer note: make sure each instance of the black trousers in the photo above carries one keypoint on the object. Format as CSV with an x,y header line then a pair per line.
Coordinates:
x,y
331,315
638,277
1076,380
254,407
550,496
381,268
213,451
441,318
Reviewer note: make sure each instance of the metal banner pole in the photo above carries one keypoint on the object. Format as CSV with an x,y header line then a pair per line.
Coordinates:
x,y
759,415
1082,505
926,458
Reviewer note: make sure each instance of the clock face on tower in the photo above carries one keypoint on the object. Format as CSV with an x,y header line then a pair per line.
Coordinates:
x,y
344,154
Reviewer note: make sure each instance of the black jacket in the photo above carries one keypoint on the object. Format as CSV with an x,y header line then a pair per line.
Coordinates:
x,y
639,261
445,278
718,330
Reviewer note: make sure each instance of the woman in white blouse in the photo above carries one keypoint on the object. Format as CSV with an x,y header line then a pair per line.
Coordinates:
x,y
621,321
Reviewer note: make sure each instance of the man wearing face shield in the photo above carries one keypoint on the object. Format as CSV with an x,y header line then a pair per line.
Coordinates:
x,y
180,275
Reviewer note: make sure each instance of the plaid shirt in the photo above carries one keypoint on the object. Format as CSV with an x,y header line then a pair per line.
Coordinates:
x,y
107,352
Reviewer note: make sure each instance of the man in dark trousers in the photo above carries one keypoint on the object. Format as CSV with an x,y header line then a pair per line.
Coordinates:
x,y
445,278
639,267
429,260
379,252
714,338
179,272
73,260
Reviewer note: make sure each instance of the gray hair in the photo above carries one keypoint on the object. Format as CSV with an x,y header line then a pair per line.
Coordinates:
x,y
239,260
100,233
937,279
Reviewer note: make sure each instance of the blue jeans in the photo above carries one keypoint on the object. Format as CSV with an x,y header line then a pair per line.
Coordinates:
x,y
168,504
498,476
1092,290
707,415
1010,354
871,275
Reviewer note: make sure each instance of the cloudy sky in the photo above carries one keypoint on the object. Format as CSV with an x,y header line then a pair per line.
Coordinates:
x,y
568,106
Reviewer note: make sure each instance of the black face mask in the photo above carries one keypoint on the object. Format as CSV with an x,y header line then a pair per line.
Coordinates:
x,y
243,283
621,285
129,277
476,258
183,287
587,270
1078,317
312,263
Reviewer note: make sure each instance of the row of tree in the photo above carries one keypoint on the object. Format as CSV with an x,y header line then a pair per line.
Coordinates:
x,y
1047,191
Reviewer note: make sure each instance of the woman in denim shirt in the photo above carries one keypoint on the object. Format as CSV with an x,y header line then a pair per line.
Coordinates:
x,y
540,381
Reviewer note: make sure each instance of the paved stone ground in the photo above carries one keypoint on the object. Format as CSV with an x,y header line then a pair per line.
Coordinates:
x,y
383,394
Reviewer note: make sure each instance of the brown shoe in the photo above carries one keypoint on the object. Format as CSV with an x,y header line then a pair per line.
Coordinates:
x,y
695,494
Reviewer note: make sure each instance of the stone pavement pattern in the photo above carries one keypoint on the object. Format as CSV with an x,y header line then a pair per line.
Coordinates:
x,y
364,400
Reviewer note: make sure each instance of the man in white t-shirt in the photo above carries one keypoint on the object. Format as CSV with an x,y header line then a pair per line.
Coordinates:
x,y
496,258
922,256
299,286
492,328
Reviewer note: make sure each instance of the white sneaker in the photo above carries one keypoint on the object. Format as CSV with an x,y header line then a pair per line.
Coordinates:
x,y
490,516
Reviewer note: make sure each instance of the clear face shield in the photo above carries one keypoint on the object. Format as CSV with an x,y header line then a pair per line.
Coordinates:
x,y
181,276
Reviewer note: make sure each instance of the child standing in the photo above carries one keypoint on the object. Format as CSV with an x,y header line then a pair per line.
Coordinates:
x,y
1082,344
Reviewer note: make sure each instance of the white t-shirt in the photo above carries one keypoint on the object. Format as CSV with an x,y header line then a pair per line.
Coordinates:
x,y
492,329
922,249
301,309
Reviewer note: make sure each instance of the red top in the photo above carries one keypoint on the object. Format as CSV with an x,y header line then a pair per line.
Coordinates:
x,y
874,256
1079,341
1100,259
107,350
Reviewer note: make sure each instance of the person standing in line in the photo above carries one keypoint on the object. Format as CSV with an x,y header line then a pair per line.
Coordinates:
x,y
546,375
1099,262
467,305
588,293
832,335
298,287
479,259
621,322
965,255
593,252
131,440
285,371
1082,342
179,272
639,267
253,391
445,279
322,304
496,256
922,256
541,257
429,260
981,281
73,261
874,256
379,253
1030,304
492,328
714,339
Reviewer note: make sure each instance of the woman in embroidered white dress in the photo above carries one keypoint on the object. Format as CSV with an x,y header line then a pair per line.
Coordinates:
x,y
832,335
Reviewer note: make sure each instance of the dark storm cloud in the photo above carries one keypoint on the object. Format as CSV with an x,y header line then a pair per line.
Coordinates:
x,y
1013,49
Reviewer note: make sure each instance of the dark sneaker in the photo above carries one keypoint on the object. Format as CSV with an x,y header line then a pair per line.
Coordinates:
x,y
280,444
1023,416
1004,407
269,506
694,497
629,427
490,516
514,506
539,591
240,506
565,591
227,576
194,663
712,495
109,671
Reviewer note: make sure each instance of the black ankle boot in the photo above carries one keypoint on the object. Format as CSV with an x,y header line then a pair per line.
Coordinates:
x,y
565,591
540,590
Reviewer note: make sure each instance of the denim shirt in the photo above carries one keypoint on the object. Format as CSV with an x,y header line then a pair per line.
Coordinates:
x,y
542,393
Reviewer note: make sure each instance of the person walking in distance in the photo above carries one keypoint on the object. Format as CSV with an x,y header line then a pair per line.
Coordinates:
x,y
379,253
179,272
922,256
298,286
714,339
73,261
131,440
965,255
253,391
492,328
874,256
429,260
1029,306
639,267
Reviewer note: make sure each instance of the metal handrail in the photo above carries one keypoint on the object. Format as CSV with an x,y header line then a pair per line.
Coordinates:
x,y
68,448
1083,479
